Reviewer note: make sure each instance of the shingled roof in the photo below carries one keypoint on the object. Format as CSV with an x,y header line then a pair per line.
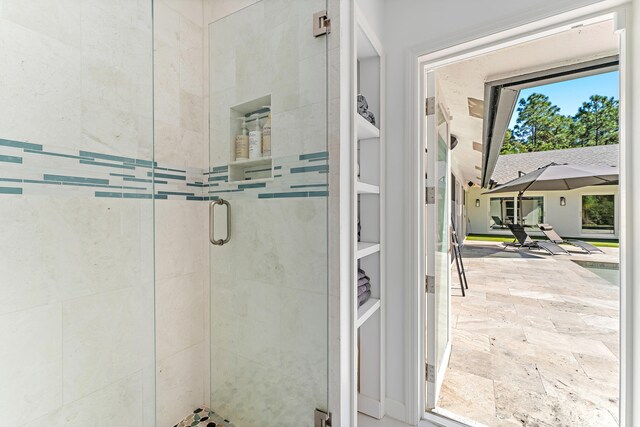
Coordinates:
x,y
509,164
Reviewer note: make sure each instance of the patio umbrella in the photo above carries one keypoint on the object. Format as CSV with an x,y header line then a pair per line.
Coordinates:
x,y
554,177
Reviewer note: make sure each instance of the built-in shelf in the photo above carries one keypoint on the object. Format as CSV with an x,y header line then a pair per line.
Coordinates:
x,y
254,180
251,170
367,248
368,202
364,188
366,310
249,112
252,162
365,129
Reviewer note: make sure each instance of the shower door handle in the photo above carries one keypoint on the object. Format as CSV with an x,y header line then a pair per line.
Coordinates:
x,y
212,239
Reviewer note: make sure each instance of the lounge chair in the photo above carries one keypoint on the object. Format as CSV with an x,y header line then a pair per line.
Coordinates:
x,y
498,221
525,241
555,238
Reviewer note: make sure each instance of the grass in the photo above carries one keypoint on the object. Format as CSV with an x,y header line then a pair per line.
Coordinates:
x,y
605,243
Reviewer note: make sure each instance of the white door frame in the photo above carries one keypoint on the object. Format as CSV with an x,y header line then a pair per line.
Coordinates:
x,y
420,58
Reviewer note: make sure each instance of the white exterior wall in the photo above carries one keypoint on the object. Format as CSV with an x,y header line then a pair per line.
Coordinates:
x,y
566,220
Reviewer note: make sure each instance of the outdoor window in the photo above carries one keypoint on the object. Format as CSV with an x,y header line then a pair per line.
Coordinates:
x,y
598,214
533,210
502,212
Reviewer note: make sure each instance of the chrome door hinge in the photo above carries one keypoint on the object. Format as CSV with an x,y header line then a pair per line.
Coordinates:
x,y
322,419
430,373
430,106
430,284
430,195
321,23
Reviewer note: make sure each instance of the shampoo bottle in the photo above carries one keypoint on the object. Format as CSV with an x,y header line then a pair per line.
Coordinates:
x,y
242,142
255,140
266,136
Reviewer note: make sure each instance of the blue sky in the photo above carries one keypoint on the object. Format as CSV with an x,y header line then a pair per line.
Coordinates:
x,y
569,95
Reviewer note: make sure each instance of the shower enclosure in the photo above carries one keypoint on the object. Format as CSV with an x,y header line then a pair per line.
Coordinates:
x,y
95,192
269,364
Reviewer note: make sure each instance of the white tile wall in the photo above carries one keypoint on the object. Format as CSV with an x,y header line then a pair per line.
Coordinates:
x,y
181,382
182,271
30,363
104,340
181,238
33,60
76,301
119,403
181,305
103,240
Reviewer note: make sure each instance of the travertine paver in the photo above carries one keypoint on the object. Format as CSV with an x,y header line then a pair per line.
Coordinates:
x,y
535,341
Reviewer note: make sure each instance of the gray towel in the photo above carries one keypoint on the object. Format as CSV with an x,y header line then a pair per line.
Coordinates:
x,y
363,109
364,298
362,274
362,289
363,281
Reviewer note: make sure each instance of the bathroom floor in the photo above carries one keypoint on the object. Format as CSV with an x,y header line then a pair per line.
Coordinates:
x,y
204,417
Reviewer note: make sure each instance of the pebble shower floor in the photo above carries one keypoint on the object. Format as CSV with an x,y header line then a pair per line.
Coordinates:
x,y
204,417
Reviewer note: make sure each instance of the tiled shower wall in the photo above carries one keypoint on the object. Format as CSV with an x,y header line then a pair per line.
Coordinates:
x,y
76,289
182,267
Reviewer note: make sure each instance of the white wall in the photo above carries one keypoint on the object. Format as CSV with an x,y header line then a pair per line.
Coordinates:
x,y
566,220
430,25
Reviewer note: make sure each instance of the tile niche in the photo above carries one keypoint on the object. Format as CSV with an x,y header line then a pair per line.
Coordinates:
x,y
258,169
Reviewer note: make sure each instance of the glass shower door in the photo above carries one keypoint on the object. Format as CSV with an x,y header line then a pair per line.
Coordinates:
x,y
268,185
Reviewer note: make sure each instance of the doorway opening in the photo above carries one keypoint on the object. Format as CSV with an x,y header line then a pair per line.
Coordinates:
x,y
535,337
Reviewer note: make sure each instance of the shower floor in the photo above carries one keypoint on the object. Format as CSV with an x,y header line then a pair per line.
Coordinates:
x,y
203,417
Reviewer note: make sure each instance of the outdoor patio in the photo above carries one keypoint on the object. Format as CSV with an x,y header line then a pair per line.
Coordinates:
x,y
535,341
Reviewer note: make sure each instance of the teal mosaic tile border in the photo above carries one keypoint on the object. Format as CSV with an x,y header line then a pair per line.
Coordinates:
x,y
28,169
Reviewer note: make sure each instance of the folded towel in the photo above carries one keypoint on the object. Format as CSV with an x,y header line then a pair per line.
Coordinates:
x,y
363,105
368,115
363,281
364,298
362,274
363,110
364,288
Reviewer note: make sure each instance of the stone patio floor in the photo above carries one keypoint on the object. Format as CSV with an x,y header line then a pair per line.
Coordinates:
x,y
535,341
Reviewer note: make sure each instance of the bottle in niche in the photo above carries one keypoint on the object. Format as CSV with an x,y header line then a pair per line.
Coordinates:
x,y
242,142
255,140
266,136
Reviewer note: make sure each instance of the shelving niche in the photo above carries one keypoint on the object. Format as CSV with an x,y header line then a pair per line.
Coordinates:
x,y
368,207
259,169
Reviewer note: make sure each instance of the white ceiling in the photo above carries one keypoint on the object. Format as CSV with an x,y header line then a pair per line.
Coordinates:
x,y
462,80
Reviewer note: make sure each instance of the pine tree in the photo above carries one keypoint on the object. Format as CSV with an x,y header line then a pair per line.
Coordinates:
x,y
597,122
541,127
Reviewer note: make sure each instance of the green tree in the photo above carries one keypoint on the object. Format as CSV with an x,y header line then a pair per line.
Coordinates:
x,y
539,125
596,122
510,145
